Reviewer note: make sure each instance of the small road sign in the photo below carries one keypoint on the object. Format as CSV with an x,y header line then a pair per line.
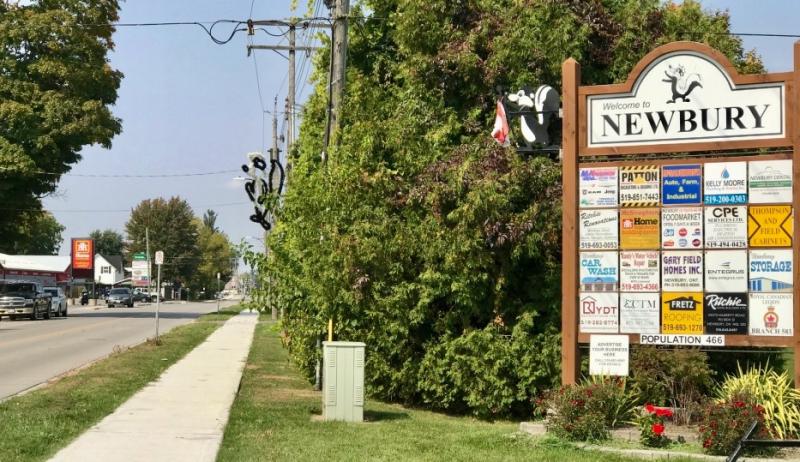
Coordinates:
x,y
159,257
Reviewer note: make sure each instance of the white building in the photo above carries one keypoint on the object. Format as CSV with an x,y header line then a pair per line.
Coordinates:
x,y
46,269
108,270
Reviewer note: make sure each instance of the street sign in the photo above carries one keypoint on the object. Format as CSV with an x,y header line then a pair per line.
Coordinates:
x,y
639,228
682,228
159,257
139,256
598,187
770,181
682,313
681,184
770,225
639,186
725,183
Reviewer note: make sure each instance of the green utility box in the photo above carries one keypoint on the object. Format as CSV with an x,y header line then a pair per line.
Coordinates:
x,y
343,381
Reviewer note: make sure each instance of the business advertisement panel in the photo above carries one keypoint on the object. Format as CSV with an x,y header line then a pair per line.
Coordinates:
x,y
771,270
726,227
639,186
770,225
681,184
770,181
682,271
682,228
599,272
82,254
726,314
598,229
639,228
638,313
771,314
598,187
608,355
640,271
599,312
725,183
726,271
682,313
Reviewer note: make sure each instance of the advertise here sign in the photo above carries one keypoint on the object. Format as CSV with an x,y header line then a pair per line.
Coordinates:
x,y
771,270
638,313
771,314
725,183
639,186
639,228
726,313
770,181
608,355
640,271
599,271
726,227
598,229
598,187
682,271
682,313
682,228
770,225
599,312
726,271
681,184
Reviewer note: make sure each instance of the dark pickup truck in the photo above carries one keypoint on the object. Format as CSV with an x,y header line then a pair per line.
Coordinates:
x,y
23,298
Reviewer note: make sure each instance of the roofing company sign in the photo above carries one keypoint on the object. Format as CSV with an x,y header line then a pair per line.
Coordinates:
x,y
686,97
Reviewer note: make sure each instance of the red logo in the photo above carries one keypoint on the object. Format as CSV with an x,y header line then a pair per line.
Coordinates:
x,y
696,242
682,232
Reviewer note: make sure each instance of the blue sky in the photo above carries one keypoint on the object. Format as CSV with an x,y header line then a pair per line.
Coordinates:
x,y
188,105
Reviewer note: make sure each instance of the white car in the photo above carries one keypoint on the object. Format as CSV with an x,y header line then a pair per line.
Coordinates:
x,y
58,306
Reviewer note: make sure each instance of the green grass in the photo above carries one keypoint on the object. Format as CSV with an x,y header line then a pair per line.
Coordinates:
x,y
271,419
35,426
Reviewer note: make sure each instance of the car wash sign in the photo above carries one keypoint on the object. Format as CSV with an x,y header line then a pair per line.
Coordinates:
x,y
686,97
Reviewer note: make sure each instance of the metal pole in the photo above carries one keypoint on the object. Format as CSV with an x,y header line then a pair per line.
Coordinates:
x,y
158,300
149,266
291,96
217,293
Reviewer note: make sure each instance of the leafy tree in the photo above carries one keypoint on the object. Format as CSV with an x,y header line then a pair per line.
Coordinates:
x,y
107,242
216,255
42,235
56,89
210,220
419,235
172,229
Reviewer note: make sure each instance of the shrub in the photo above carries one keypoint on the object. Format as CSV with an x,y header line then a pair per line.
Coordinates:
x,y
652,425
771,390
587,411
723,423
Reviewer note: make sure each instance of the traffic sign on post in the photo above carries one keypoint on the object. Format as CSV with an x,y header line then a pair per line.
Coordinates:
x,y
160,257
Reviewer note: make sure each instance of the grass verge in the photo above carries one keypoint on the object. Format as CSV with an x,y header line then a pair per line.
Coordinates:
x,y
36,425
271,420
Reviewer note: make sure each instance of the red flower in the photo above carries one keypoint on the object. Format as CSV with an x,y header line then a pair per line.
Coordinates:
x,y
707,443
738,404
650,408
658,429
663,412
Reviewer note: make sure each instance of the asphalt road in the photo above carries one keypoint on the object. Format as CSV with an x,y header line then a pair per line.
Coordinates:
x,y
32,352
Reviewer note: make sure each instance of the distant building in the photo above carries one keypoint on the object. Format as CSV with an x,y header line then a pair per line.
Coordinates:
x,y
108,270
49,270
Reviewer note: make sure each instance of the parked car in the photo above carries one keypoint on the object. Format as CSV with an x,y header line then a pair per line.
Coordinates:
x,y
24,298
120,296
58,303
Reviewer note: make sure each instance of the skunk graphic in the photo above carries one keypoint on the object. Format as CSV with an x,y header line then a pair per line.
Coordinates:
x,y
681,83
535,111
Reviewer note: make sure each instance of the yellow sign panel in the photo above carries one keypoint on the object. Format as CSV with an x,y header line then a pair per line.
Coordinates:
x,y
770,225
682,313
640,229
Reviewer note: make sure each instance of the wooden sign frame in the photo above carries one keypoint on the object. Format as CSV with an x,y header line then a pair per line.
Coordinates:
x,y
577,154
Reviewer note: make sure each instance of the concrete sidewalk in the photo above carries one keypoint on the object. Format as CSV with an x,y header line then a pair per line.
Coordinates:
x,y
182,415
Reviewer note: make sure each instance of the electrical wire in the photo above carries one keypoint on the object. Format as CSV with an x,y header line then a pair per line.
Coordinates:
x,y
208,27
12,209
113,175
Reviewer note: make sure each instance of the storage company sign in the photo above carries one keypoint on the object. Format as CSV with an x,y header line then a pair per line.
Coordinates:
x,y
685,97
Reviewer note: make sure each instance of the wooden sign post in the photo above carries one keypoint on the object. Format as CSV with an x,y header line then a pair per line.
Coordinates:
x,y
679,191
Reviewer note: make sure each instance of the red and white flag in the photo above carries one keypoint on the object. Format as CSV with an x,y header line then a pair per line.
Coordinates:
x,y
500,132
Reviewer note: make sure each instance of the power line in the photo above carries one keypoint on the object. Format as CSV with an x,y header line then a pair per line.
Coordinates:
x,y
112,175
208,27
12,209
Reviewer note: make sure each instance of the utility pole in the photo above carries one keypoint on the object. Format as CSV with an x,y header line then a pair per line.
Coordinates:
x,y
274,155
340,12
291,96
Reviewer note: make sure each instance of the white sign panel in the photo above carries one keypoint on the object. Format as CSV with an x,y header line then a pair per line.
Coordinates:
x,y
686,97
599,312
160,257
640,271
639,313
639,186
598,187
771,270
770,181
682,271
608,354
599,229
140,273
682,228
683,340
599,271
726,227
726,271
771,314
725,183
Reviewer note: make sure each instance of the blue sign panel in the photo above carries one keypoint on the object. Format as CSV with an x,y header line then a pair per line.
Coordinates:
x,y
681,184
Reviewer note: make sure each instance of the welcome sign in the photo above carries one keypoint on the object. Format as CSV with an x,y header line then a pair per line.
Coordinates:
x,y
684,96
